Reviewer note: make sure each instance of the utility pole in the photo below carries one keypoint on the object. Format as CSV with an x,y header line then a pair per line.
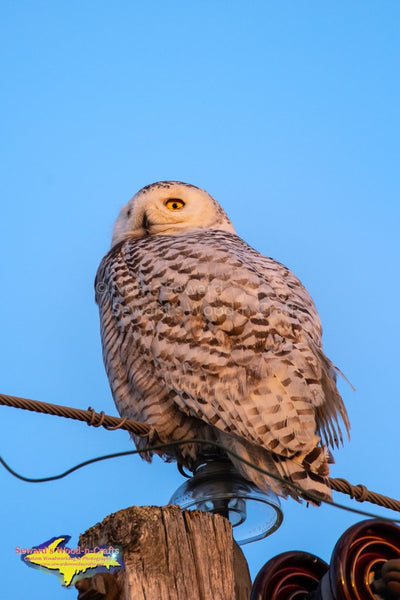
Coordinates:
x,y
168,554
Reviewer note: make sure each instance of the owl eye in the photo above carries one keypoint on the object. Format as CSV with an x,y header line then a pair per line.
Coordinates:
x,y
174,204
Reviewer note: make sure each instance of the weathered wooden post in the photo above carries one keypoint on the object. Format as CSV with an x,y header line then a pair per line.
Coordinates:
x,y
168,554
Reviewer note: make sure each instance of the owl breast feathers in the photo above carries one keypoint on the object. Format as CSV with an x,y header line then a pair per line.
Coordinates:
x,y
205,338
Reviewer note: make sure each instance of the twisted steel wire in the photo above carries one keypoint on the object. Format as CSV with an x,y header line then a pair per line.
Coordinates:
x,y
361,493
90,416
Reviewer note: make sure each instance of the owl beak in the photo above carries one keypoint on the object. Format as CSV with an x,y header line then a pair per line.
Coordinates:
x,y
146,224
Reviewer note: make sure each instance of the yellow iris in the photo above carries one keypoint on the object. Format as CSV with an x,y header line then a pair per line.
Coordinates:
x,y
174,204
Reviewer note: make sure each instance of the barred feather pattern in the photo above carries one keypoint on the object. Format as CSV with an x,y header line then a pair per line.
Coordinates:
x,y
204,337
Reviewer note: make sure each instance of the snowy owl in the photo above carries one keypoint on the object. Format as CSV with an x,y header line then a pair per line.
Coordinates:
x,y
204,337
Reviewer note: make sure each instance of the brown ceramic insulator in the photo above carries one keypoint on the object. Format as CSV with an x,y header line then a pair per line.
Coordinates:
x,y
288,576
358,557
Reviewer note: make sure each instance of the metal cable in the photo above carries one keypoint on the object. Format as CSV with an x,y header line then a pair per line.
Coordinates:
x,y
90,416
361,493
358,492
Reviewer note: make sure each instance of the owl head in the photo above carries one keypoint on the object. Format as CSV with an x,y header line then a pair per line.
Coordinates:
x,y
169,208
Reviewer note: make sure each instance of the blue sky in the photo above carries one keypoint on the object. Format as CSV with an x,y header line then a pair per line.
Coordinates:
x,y
288,114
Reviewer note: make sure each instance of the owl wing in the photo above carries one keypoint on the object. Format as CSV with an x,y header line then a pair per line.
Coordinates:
x,y
294,308
224,334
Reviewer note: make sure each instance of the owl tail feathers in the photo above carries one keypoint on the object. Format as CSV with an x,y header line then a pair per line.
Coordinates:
x,y
307,485
309,473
